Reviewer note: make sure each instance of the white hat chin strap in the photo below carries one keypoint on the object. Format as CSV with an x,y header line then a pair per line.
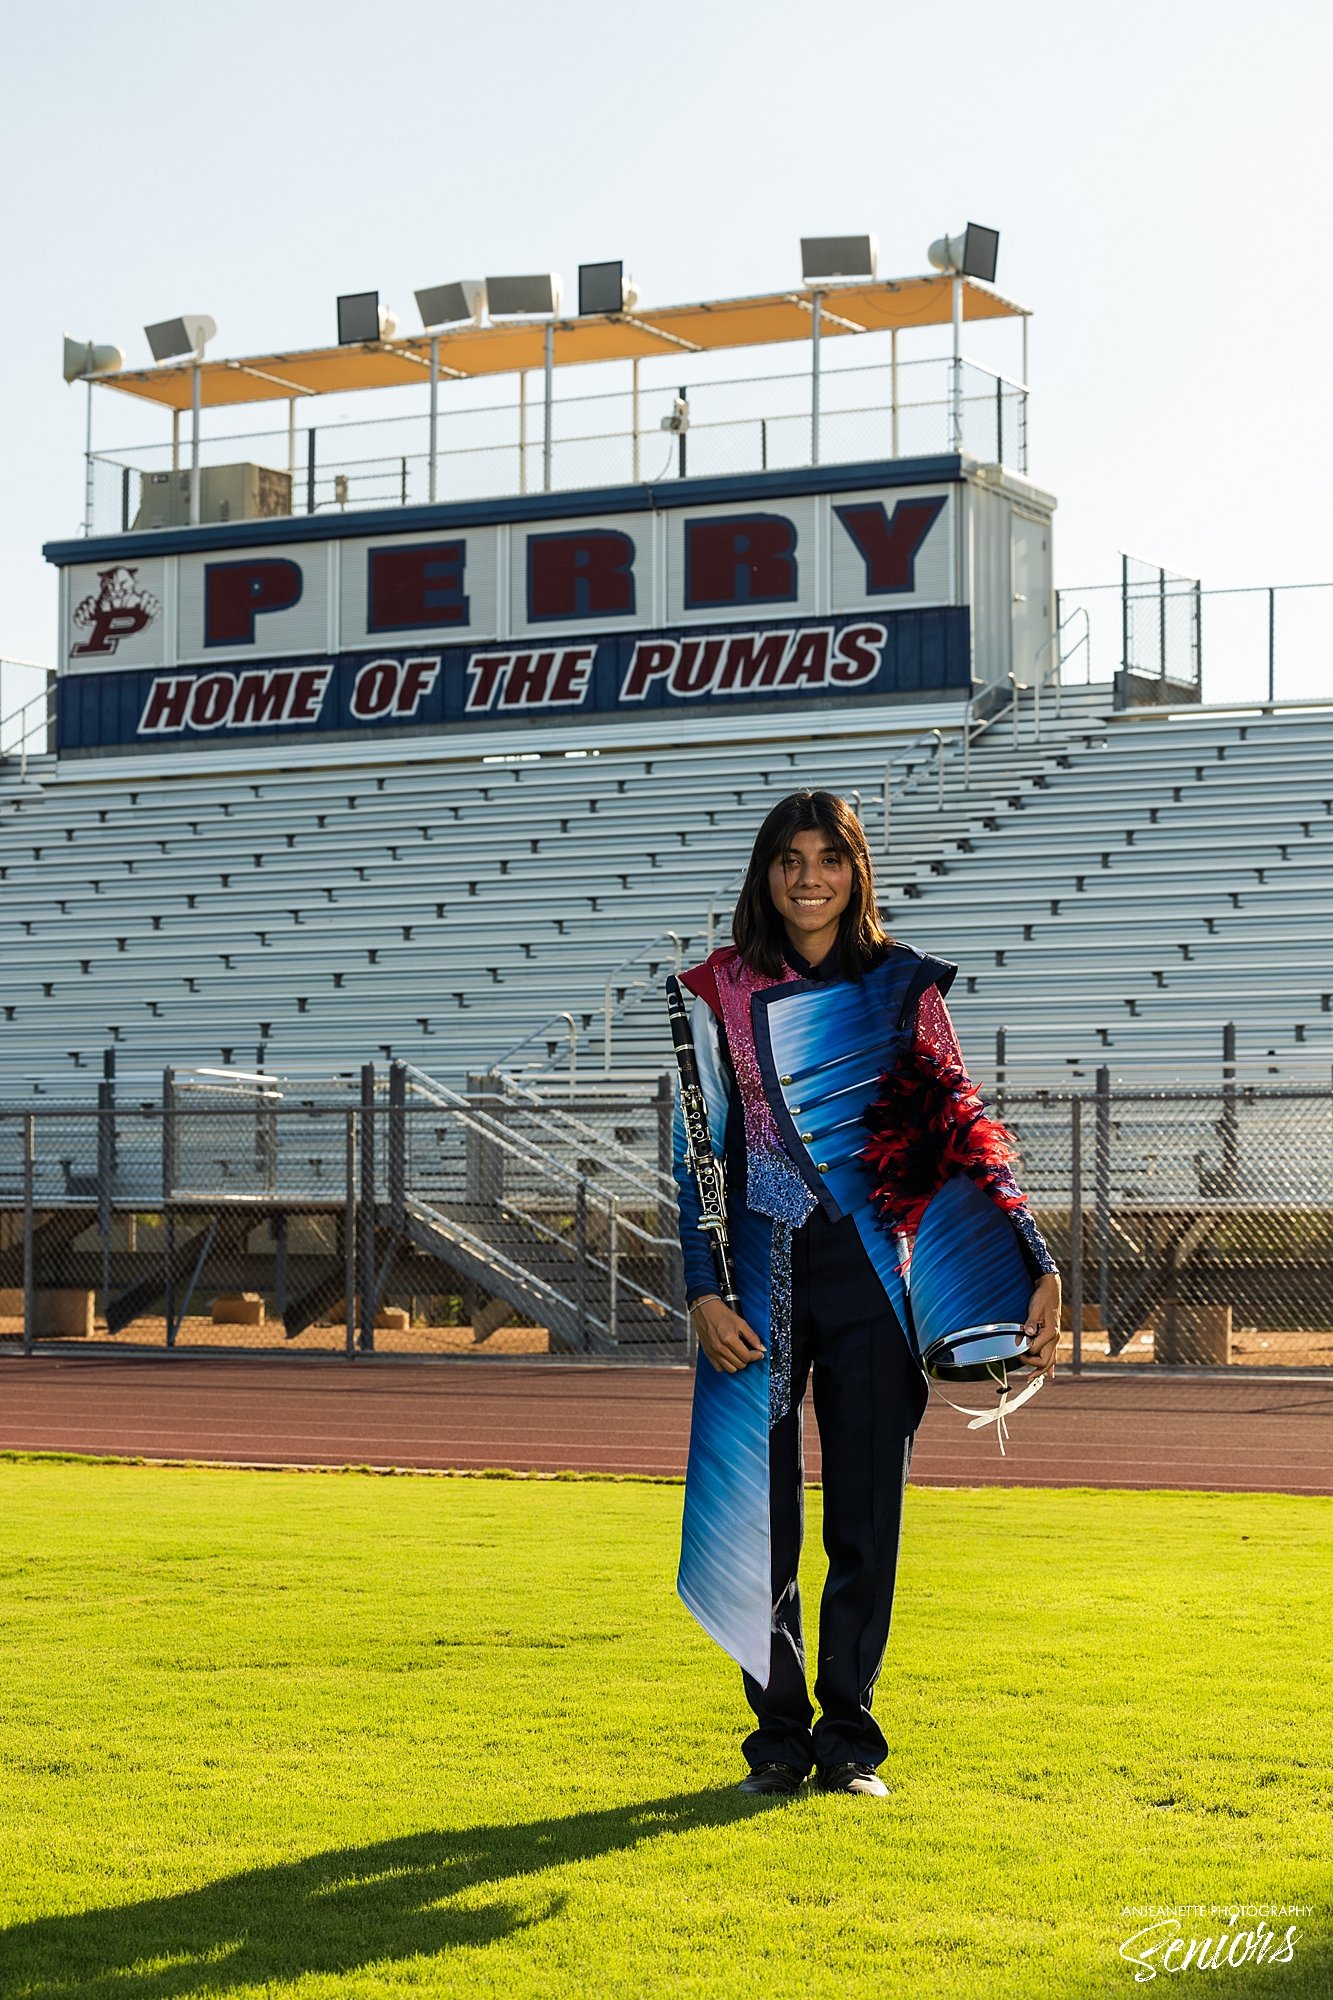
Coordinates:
x,y
1006,1403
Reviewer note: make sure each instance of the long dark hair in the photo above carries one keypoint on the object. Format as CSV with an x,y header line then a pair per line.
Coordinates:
x,y
758,931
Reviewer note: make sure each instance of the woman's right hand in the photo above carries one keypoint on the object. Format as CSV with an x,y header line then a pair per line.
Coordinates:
x,y
724,1336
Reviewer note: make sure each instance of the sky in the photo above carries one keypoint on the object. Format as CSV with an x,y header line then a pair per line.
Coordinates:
x,y
1158,174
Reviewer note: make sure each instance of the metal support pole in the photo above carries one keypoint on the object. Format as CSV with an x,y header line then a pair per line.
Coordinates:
x,y
310,470
88,466
196,412
434,410
815,319
1161,624
893,391
1272,642
956,394
124,499
29,1303
613,1266
549,393
349,1238
1102,1193
105,1112
1023,404
1076,1228
169,1164
681,440
398,1144
967,745
634,417
522,430
1230,1130
291,444
581,1259
175,440
366,1233
1124,613
999,421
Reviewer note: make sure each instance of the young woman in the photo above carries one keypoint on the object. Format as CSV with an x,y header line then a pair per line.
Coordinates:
x,y
837,1100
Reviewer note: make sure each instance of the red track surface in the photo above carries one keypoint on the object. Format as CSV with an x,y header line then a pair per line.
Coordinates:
x,y
1143,1430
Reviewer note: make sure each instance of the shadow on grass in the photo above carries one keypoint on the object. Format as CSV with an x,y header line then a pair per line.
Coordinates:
x,y
421,1894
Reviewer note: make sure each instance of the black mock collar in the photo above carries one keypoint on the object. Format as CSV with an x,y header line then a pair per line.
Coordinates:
x,y
798,963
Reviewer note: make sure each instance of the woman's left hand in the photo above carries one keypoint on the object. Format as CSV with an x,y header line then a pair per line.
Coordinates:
x,y
1042,1324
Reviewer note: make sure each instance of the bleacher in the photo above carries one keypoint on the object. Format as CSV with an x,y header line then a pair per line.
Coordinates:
x,y
1113,889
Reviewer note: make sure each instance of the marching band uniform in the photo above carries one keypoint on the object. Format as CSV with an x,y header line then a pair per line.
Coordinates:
x,y
837,1107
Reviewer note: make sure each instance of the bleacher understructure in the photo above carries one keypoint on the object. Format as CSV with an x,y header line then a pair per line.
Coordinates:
x,y
1115,888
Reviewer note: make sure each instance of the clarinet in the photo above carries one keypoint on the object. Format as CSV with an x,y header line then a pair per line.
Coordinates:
x,y
704,1164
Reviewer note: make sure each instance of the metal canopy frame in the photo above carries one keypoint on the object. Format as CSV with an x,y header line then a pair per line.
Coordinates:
x,y
472,352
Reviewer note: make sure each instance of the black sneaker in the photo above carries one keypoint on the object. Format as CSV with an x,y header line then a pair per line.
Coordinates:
x,y
861,1778
784,1778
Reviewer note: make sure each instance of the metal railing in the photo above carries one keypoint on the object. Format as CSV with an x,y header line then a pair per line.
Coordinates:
x,y
475,451
28,729
1264,643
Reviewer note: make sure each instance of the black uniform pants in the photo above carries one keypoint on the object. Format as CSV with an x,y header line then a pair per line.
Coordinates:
x,y
868,1397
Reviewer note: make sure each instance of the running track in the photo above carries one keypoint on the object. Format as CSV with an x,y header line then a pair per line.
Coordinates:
x,y
1143,1430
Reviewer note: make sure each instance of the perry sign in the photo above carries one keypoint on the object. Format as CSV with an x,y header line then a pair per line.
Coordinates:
x,y
816,595
804,557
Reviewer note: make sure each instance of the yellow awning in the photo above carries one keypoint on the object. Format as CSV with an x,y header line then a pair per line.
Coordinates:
x,y
872,307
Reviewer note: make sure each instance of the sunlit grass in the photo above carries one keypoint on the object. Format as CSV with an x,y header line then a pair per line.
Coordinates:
x,y
279,1734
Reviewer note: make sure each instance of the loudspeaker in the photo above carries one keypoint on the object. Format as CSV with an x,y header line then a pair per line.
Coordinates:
x,y
452,305
190,334
83,358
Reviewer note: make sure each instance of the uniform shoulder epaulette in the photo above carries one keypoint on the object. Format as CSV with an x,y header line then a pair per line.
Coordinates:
x,y
700,979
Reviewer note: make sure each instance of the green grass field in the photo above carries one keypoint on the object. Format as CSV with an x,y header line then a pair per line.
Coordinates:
x,y
289,1734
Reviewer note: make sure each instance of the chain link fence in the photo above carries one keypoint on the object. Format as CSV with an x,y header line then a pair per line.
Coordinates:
x,y
382,1213
376,1213
1166,634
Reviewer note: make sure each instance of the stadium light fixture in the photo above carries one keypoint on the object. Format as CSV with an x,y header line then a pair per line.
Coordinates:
x,y
973,254
187,336
604,288
826,257
362,318
84,358
531,297
452,305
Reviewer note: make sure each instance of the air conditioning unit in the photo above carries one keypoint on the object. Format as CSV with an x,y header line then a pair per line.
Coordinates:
x,y
226,493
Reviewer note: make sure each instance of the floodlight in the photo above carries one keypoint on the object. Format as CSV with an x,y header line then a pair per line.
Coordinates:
x,y
450,305
362,318
604,288
188,335
971,255
84,358
824,257
524,298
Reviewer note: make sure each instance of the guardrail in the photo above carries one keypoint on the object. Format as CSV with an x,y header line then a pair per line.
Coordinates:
x,y
484,450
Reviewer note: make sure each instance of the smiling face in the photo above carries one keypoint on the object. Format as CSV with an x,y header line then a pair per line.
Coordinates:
x,y
811,886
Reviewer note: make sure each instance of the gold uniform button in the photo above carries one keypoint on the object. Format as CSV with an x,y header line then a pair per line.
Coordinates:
x,y
807,1137
821,1166
784,1079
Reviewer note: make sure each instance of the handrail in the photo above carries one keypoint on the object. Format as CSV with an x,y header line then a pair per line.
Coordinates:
x,y
610,1149
29,730
679,944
